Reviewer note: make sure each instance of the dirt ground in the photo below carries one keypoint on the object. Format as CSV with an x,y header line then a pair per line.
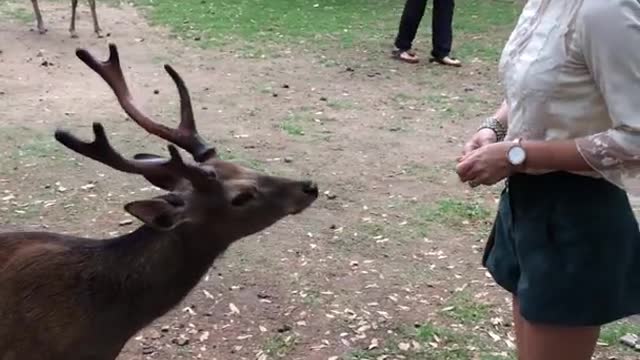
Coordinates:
x,y
394,243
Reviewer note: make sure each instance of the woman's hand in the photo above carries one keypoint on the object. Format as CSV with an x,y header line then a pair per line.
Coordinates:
x,y
479,139
485,165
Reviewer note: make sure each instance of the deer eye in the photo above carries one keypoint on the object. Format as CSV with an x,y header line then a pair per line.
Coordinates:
x,y
242,198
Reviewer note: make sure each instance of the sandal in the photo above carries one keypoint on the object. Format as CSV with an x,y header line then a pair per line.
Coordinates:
x,y
405,55
446,60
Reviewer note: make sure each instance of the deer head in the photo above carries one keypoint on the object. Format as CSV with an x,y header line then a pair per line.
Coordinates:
x,y
207,194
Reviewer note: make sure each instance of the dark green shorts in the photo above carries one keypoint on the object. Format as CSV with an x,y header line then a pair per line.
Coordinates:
x,y
568,247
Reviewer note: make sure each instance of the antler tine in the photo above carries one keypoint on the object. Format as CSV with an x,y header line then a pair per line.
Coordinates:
x,y
185,136
187,128
101,150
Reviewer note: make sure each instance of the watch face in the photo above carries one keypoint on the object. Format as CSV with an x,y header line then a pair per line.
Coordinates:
x,y
516,155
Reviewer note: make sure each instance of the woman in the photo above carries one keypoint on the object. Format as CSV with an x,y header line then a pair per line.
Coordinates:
x,y
565,242
442,31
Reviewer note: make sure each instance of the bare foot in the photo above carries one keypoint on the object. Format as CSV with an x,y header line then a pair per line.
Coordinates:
x,y
99,34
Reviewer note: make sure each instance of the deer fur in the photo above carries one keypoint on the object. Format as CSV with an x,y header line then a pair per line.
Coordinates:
x,y
73,298
72,27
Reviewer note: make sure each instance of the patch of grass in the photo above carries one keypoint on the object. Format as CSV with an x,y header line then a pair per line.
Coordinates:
x,y
481,27
432,173
358,355
242,160
21,146
463,309
453,212
430,342
373,229
428,332
485,16
269,21
258,26
611,333
295,124
363,237
311,297
421,221
292,127
403,98
341,104
19,13
280,345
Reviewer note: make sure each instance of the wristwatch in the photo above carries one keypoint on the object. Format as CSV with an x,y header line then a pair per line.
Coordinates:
x,y
516,154
495,125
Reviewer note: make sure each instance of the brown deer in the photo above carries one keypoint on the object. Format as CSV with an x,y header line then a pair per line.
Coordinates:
x,y
72,27
70,298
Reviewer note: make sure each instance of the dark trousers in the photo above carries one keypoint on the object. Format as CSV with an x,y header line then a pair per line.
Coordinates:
x,y
441,23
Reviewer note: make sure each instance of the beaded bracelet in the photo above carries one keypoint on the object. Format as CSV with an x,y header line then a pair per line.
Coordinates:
x,y
495,125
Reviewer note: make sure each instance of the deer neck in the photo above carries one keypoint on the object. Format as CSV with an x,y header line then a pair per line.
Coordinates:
x,y
153,271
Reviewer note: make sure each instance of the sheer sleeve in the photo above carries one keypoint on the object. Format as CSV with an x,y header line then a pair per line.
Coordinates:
x,y
609,34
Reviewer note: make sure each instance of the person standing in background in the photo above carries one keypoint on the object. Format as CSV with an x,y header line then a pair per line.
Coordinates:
x,y
442,31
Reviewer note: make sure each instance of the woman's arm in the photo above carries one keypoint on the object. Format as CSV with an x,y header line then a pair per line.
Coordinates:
x,y
555,155
502,114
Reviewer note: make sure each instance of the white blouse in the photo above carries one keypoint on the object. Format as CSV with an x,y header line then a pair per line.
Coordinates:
x,y
571,70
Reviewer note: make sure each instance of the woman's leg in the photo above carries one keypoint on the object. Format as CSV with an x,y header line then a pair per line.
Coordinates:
x,y
549,342
518,323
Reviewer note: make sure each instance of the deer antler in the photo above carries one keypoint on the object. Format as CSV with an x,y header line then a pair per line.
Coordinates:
x,y
100,150
185,136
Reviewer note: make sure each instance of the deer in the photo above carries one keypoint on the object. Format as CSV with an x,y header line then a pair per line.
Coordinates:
x,y
72,28
69,297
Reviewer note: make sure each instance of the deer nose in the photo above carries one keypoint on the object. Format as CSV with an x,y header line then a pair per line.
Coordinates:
x,y
310,188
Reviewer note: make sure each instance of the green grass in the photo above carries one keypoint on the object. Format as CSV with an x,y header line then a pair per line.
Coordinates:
x,y
340,104
280,345
452,212
480,26
18,11
297,123
463,309
450,345
432,173
611,333
292,127
257,21
422,221
242,160
24,146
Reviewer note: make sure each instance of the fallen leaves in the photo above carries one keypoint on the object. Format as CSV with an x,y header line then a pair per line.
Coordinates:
x,y
234,309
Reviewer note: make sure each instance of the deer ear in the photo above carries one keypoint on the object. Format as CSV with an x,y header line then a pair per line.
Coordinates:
x,y
157,213
167,182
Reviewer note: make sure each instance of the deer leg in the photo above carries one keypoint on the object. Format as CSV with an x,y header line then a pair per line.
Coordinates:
x,y
39,21
72,27
94,15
